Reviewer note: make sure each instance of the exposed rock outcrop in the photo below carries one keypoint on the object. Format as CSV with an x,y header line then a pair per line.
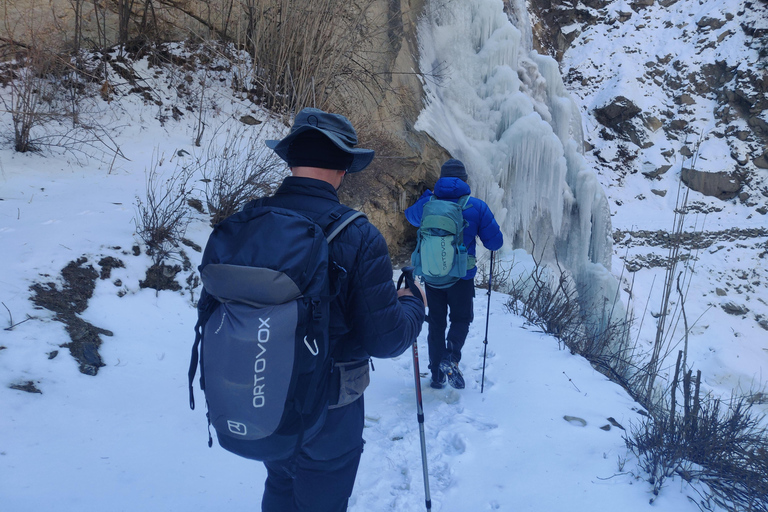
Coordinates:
x,y
722,185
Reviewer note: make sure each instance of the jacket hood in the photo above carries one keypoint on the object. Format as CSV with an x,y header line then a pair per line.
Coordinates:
x,y
451,188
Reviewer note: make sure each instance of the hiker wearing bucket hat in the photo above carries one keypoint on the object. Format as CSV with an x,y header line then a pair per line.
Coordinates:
x,y
337,130
368,318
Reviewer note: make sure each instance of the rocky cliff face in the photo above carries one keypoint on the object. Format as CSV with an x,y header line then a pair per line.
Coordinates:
x,y
408,161
674,98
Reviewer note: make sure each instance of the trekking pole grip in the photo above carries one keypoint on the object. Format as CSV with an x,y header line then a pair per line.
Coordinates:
x,y
407,277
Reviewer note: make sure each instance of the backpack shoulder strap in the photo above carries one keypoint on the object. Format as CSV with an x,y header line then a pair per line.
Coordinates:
x,y
344,222
463,201
335,220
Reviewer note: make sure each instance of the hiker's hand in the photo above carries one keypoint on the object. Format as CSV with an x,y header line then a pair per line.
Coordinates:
x,y
407,291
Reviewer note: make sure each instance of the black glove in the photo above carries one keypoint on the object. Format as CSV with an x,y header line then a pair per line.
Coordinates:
x,y
407,276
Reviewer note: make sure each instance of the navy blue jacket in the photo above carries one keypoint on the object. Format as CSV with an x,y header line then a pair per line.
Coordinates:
x,y
480,219
367,317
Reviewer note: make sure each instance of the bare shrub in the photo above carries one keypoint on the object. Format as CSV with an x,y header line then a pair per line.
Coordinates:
x,y
547,297
500,278
44,94
671,313
31,91
322,55
723,446
236,170
163,214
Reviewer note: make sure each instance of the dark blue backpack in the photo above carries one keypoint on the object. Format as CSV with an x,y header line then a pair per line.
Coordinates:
x,y
262,329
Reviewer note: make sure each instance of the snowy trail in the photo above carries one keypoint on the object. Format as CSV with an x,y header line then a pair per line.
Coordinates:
x,y
502,449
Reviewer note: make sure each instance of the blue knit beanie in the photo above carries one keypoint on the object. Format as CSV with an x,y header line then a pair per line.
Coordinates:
x,y
454,169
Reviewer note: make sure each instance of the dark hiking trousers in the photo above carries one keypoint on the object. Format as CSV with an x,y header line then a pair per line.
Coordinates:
x,y
458,300
321,476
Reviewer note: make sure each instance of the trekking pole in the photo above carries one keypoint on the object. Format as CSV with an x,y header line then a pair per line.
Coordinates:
x,y
487,318
407,275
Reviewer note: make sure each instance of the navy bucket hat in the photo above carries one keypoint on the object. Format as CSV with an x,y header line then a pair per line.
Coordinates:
x,y
334,126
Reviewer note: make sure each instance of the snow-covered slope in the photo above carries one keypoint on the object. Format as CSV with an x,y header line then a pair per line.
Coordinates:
x,y
696,73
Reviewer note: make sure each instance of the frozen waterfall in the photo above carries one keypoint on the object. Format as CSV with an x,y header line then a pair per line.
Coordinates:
x,y
500,107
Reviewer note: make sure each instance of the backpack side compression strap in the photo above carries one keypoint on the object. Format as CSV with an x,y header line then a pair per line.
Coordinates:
x,y
206,305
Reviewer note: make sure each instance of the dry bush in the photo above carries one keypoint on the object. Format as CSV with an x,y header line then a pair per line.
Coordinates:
x,y
499,280
238,169
547,297
325,54
44,93
723,446
163,214
30,81
671,313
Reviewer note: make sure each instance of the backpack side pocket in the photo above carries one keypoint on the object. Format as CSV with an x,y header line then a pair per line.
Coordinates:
x,y
354,378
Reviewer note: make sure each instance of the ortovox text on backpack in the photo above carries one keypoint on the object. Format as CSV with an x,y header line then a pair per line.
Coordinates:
x,y
441,256
262,330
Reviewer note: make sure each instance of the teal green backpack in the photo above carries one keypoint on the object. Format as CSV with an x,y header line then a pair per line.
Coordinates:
x,y
441,256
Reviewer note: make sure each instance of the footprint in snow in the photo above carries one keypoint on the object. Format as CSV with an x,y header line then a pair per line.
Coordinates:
x,y
489,383
440,474
481,426
452,396
490,354
453,444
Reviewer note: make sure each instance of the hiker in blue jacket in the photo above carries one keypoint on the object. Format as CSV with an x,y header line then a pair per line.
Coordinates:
x,y
445,351
369,317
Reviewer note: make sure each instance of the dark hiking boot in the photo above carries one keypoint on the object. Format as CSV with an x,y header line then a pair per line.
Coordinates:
x,y
451,370
437,382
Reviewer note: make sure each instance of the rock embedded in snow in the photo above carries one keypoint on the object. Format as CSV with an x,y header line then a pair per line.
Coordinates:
x,y
761,161
707,22
617,112
575,420
732,308
657,172
723,185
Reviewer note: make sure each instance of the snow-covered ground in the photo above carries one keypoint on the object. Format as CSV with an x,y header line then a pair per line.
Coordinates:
x,y
544,435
